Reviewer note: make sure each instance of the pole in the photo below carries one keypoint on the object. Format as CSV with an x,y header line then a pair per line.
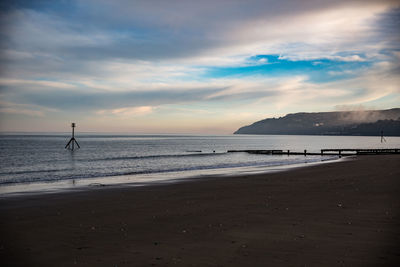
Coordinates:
x,y
72,141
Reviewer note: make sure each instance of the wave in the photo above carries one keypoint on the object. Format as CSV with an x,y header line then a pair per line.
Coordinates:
x,y
45,172
54,178
159,156
199,154
32,171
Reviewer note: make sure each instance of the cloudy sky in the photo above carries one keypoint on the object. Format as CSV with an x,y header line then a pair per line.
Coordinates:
x,y
182,66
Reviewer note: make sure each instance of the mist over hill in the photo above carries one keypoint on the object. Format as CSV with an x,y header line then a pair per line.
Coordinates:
x,y
368,122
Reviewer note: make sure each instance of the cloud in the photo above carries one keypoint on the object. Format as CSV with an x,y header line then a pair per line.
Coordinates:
x,y
145,55
28,112
352,108
263,60
95,100
130,111
282,91
156,31
52,84
24,109
153,43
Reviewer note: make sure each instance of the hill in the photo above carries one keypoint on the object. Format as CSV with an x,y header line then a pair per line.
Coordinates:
x,y
369,123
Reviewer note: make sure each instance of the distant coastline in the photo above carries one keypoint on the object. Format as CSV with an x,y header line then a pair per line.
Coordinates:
x,y
352,123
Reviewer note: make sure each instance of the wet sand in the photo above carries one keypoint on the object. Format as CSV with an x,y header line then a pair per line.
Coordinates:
x,y
334,214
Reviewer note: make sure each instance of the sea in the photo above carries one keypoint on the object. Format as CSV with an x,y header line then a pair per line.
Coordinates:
x,y
38,163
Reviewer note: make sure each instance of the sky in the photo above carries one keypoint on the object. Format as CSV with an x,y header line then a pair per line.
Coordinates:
x,y
202,67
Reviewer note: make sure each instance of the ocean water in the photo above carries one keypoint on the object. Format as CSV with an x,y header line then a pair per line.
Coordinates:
x,y
40,162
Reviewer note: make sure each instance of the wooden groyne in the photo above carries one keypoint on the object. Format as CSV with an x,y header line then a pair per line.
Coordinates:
x,y
323,152
364,151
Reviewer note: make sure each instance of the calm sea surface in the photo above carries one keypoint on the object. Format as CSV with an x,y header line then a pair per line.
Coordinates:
x,y
40,162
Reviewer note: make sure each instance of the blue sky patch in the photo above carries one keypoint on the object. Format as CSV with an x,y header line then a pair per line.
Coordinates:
x,y
318,70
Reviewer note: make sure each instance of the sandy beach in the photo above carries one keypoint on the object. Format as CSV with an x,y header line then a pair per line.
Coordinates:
x,y
343,213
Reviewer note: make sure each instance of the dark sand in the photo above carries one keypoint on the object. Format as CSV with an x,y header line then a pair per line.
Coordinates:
x,y
335,214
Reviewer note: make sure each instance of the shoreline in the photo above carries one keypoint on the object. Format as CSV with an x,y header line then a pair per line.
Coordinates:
x,y
82,184
340,213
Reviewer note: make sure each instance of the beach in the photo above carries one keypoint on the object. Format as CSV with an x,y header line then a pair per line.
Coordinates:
x,y
343,213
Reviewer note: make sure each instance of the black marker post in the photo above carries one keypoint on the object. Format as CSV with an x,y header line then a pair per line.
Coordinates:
x,y
72,141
